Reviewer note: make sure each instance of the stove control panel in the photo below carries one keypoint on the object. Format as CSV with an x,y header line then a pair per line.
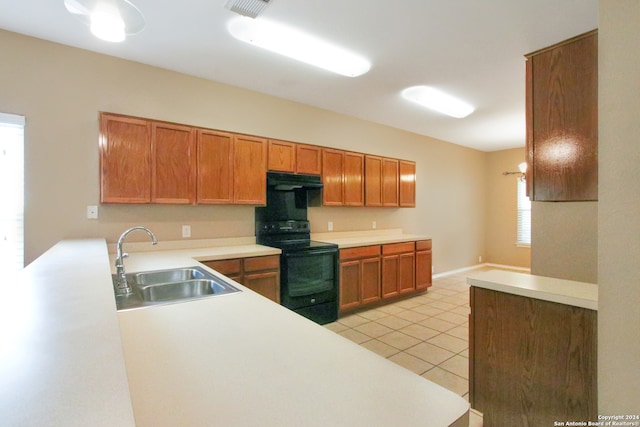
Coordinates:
x,y
282,227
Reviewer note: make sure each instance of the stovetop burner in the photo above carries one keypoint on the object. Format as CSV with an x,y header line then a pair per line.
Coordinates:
x,y
292,235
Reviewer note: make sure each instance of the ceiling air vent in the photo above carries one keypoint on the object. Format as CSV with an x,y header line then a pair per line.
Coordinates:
x,y
250,8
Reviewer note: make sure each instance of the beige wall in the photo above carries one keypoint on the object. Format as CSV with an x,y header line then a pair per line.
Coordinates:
x,y
619,208
564,240
61,89
502,209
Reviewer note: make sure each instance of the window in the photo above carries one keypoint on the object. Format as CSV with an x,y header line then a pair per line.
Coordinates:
x,y
524,215
11,192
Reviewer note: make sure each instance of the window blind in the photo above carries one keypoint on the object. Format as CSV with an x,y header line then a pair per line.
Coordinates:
x,y
11,192
524,215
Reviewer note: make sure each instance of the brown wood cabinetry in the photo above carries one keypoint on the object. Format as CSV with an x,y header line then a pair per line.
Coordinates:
x,y
373,180
359,276
398,269
282,156
343,178
149,161
531,362
308,159
125,159
332,169
250,170
260,274
215,167
173,172
407,187
562,121
423,264
231,168
353,177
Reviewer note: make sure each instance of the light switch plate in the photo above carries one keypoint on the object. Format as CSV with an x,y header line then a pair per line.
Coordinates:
x,y
186,231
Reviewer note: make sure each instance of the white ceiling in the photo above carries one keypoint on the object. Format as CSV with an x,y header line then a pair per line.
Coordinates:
x,y
472,49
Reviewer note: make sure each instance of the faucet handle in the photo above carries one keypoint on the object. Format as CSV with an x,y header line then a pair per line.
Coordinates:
x,y
125,255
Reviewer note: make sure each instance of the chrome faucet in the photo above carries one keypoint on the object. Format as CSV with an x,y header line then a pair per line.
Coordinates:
x,y
121,285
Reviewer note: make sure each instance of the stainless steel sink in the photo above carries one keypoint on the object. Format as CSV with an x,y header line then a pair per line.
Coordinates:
x,y
168,286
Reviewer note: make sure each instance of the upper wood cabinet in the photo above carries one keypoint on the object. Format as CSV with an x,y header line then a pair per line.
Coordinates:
x,y
390,182
231,168
173,172
373,180
407,171
353,177
332,169
250,170
215,167
125,159
562,120
282,156
308,159
343,178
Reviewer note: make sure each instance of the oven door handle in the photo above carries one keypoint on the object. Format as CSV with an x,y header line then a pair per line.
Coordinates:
x,y
311,252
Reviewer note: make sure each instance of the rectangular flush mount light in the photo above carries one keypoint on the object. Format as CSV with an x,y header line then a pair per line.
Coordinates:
x,y
298,45
436,100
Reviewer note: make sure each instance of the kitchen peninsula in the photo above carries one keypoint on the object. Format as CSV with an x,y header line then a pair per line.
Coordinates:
x,y
532,349
236,359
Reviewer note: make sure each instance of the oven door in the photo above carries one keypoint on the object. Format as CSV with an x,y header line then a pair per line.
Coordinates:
x,y
309,277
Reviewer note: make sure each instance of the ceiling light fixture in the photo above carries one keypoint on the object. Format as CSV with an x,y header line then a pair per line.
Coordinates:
x,y
438,101
250,8
298,45
109,20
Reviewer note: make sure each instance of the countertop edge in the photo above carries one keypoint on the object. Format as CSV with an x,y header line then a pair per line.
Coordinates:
x,y
567,292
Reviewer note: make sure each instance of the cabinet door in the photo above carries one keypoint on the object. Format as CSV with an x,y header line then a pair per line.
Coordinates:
x,y
423,264
406,272
349,284
125,159
250,170
173,165
373,180
308,159
562,89
353,177
332,168
215,167
390,268
282,156
370,280
407,184
389,182
266,284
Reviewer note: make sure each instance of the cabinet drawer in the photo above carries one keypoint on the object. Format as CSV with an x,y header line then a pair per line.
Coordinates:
x,y
227,267
271,262
398,248
360,252
423,245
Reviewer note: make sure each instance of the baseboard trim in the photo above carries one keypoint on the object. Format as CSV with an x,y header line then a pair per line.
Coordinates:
x,y
478,266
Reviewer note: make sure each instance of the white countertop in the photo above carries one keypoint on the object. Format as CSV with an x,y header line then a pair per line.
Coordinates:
x,y
569,292
351,239
236,359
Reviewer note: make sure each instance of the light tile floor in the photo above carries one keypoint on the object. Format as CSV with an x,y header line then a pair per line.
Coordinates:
x,y
427,334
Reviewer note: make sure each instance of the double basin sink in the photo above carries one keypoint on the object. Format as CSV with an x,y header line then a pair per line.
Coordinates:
x,y
168,286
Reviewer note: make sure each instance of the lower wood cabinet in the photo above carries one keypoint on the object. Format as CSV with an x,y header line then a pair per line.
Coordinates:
x,y
398,269
260,274
370,274
359,276
531,362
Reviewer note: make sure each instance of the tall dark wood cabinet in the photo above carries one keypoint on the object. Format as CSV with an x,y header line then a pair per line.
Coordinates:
x,y
562,120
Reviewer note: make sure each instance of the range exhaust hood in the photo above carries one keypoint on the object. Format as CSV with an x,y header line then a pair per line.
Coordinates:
x,y
281,181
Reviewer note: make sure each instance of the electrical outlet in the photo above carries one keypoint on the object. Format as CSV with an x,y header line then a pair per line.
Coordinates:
x,y
92,212
374,225
186,231
480,258
330,226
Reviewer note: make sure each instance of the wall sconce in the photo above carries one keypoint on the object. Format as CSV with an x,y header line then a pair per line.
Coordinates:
x,y
523,169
